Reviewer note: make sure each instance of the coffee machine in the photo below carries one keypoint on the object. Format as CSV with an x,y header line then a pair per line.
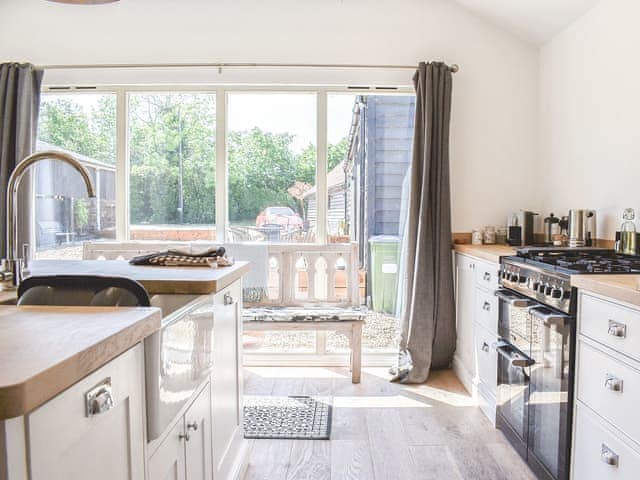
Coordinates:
x,y
520,228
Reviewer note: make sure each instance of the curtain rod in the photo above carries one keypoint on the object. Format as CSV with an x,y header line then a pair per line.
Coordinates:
x,y
453,67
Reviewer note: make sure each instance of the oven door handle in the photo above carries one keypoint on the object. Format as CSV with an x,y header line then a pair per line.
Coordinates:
x,y
512,299
549,318
516,358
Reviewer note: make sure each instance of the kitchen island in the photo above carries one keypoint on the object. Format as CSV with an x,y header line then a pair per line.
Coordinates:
x,y
126,392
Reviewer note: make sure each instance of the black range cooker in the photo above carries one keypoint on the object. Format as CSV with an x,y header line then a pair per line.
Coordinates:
x,y
536,351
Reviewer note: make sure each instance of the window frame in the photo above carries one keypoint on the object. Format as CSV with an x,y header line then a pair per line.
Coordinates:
x,y
221,93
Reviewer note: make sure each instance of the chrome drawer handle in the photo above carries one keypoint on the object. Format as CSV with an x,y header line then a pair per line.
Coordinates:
x,y
617,329
192,426
228,299
99,399
609,457
613,383
485,347
486,306
486,276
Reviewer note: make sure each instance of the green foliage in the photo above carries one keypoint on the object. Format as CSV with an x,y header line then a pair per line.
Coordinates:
x,y
80,213
169,130
64,123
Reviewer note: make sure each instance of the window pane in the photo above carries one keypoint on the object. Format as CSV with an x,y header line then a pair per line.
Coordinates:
x,y
172,156
271,144
83,125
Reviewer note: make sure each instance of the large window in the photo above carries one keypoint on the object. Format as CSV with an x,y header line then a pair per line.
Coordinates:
x,y
85,126
271,145
172,158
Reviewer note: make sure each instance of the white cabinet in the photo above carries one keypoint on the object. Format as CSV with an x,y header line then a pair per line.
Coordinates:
x,y
185,452
606,431
168,461
464,361
475,360
226,381
65,443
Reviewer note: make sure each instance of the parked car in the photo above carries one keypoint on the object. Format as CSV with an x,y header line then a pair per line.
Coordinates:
x,y
282,216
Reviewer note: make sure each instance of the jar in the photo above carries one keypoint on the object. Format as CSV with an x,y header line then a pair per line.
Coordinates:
x,y
489,235
501,235
476,237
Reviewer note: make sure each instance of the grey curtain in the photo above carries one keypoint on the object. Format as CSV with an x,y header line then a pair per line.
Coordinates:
x,y
428,335
19,105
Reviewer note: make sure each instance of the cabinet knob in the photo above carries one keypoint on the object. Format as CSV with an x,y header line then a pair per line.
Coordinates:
x,y
613,383
485,347
192,426
486,276
184,436
486,306
99,399
617,329
609,457
228,299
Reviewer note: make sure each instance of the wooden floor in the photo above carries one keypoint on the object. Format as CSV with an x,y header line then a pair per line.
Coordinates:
x,y
383,431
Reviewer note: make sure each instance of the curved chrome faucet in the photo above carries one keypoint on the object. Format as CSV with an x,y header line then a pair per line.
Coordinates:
x,y
12,264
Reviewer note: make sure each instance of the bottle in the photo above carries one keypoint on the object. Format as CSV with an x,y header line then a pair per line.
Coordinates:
x,y
628,232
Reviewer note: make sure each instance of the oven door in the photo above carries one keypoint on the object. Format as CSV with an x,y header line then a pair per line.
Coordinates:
x,y
514,374
549,409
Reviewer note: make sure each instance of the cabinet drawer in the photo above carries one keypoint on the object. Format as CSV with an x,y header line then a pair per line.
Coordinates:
x,y
612,324
65,443
593,442
487,275
486,310
599,375
486,359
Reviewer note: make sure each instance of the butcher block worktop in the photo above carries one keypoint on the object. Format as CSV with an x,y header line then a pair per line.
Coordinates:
x,y
623,288
156,280
490,253
45,350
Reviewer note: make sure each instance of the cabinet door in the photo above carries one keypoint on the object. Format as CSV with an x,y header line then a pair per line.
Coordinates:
x,y
226,378
465,308
168,461
65,443
197,422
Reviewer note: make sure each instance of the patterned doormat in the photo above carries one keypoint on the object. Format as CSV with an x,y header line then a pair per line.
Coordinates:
x,y
297,417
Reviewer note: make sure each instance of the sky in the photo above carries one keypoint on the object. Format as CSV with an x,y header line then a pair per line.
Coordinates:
x,y
290,112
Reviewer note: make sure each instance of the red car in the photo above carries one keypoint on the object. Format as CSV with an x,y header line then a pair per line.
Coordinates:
x,y
283,216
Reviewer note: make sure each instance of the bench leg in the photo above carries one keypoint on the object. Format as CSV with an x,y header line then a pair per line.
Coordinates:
x,y
356,352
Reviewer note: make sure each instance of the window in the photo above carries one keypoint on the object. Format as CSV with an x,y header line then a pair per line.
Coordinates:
x,y
271,145
85,126
172,162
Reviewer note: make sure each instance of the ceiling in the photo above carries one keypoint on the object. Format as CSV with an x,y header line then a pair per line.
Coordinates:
x,y
536,21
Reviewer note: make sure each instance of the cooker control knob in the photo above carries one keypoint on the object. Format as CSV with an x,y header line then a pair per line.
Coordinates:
x,y
541,288
535,285
566,294
556,293
547,289
522,279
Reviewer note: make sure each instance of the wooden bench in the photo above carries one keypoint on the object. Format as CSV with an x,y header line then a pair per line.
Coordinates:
x,y
311,288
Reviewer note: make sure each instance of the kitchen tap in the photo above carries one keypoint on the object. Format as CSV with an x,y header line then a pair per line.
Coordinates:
x,y
12,264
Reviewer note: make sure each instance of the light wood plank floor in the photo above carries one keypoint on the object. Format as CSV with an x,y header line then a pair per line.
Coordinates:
x,y
383,431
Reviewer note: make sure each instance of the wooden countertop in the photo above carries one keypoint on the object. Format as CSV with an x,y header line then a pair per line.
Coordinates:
x,y
490,253
624,288
157,280
45,350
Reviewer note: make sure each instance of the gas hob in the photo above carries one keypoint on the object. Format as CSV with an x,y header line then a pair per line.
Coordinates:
x,y
544,273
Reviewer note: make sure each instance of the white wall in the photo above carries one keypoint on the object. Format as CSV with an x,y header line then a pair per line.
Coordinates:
x,y
590,114
495,107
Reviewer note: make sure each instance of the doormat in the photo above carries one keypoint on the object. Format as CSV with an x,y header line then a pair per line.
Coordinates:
x,y
298,417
